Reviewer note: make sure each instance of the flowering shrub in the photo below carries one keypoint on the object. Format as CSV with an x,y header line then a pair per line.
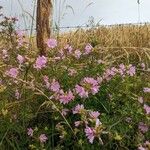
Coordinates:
x,y
71,99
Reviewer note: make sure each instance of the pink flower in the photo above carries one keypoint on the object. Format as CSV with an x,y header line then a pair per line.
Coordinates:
x,y
122,69
113,71
89,85
13,72
51,43
17,94
146,90
5,54
77,123
109,73
77,53
131,70
69,48
66,46
89,134
147,143
88,49
46,80
146,146
65,98
20,43
65,111
43,138
98,123
55,86
20,59
40,62
78,109
143,66
94,114
143,127
94,89
20,38
141,148
92,85
30,132
147,109
90,81
20,33
81,91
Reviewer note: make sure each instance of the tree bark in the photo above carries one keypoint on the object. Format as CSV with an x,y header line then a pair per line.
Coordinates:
x,y
43,24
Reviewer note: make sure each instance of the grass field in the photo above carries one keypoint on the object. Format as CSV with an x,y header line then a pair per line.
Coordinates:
x,y
91,91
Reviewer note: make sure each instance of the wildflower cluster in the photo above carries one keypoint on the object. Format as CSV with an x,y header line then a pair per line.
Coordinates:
x,y
90,121
88,85
71,98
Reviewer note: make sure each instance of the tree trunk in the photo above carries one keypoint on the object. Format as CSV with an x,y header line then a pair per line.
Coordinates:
x,y
43,24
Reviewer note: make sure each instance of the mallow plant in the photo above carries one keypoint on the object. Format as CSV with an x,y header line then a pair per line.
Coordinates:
x,y
71,98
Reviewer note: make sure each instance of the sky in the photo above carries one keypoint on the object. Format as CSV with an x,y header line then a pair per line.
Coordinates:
x,y
78,12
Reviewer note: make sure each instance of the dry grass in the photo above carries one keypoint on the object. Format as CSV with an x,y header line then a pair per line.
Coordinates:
x,y
112,36
129,43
